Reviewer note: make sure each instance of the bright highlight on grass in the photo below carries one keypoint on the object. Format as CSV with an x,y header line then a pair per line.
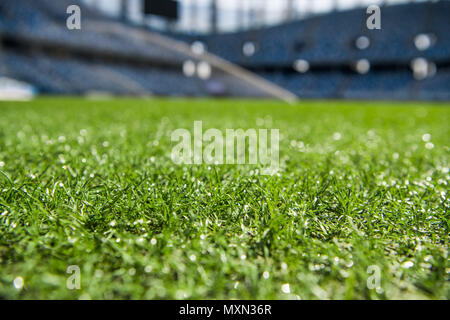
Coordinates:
x,y
357,209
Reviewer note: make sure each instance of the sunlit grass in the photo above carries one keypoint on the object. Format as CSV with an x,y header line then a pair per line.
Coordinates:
x,y
91,183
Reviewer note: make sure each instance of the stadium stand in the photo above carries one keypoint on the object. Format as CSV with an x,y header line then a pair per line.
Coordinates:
x,y
107,56
328,43
330,38
113,57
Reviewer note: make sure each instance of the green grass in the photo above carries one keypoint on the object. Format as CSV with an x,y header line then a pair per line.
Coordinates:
x,y
91,183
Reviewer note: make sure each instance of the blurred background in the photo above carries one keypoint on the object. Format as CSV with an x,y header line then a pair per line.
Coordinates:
x,y
284,49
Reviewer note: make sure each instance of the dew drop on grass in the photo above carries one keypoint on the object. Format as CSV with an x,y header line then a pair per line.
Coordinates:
x,y
426,137
337,136
408,264
18,283
286,288
429,145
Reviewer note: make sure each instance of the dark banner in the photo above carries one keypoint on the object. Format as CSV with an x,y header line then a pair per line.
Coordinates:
x,y
164,8
236,309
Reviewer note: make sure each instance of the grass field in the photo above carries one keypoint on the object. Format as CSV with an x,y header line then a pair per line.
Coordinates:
x,y
363,187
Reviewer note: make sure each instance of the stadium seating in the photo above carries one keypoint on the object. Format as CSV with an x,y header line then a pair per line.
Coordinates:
x,y
330,38
106,56
34,20
327,43
109,56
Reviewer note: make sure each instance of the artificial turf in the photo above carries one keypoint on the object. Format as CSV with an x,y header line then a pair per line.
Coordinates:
x,y
362,188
